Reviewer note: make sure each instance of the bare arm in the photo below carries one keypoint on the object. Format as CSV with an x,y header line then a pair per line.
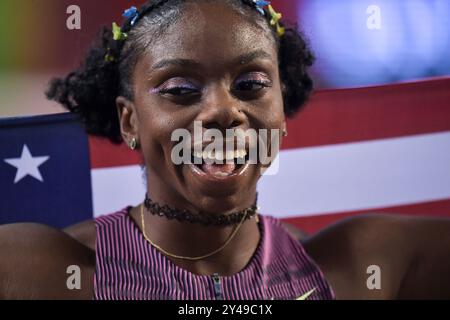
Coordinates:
x,y
413,255
428,274
34,261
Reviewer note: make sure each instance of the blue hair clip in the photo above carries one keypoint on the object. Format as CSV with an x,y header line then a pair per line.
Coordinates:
x,y
260,4
131,13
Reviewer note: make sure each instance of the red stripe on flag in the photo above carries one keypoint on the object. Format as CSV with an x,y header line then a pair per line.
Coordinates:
x,y
105,154
351,115
312,224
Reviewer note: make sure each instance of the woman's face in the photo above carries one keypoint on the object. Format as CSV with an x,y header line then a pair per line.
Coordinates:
x,y
213,66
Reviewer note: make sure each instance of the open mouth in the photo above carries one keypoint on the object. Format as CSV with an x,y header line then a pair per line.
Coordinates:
x,y
220,164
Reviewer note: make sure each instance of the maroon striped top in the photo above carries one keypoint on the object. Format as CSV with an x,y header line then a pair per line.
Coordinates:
x,y
128,267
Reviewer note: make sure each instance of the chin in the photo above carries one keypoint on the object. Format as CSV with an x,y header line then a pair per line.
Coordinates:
x,y
220,194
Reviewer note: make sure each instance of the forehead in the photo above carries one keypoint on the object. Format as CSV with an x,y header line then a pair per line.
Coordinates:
x,y
213,34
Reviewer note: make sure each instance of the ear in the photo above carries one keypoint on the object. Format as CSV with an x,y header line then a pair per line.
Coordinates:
x,y
129,126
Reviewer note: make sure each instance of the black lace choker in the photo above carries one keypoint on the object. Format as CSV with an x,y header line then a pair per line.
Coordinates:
x,y
204,219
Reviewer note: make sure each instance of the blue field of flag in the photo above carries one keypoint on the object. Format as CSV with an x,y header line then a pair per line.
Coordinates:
x,y
45,174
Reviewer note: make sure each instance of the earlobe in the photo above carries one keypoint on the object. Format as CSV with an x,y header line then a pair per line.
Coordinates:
x,y
283,89
284,130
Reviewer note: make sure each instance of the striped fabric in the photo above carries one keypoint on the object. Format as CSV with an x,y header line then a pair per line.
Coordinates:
x,y
128,267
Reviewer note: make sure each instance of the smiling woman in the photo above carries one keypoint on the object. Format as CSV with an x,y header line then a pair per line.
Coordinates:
x,y
229,66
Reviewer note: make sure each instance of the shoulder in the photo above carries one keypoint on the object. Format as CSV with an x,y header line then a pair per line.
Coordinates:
x,y
83,232
34,263
293,231
86,232
348,250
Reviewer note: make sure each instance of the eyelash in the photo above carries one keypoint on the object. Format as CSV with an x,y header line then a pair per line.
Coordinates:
x,y
263,84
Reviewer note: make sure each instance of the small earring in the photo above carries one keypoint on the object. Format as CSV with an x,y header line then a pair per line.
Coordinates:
x,y
285,133
133,144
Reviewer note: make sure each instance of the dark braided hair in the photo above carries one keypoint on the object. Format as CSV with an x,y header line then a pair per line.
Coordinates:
x,y
91,90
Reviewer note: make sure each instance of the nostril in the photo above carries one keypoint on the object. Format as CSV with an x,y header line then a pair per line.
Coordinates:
x,y
235,123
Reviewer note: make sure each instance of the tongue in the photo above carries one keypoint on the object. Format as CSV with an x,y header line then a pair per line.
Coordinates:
x,y
213,169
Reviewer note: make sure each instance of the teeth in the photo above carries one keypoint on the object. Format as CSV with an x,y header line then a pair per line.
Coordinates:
x,y
240,153
220,156
230,155
198,154
221,174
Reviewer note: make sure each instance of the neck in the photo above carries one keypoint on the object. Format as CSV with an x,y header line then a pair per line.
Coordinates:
x,y
193,240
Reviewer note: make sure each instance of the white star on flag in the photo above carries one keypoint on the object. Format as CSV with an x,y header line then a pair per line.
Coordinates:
x,y
27,165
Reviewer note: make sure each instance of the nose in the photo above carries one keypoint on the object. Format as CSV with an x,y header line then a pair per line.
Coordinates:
x,y
220,110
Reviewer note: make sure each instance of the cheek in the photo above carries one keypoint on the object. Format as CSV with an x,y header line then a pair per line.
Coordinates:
x,y
271,112
272,117
153,127
157,124
273,105
278,110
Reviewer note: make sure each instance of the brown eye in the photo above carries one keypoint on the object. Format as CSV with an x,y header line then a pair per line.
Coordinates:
x,y
178,91
253,85
252,82
177,87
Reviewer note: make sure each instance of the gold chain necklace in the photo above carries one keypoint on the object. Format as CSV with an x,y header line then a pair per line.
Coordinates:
x,y
191,258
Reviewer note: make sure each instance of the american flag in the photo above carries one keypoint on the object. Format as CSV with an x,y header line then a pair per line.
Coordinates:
x,y
383,149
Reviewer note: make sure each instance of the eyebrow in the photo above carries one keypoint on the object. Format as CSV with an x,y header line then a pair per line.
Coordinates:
x,y
188,63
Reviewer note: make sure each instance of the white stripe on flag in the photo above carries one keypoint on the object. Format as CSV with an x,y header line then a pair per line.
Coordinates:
x,y
359,176
327,179
115,188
